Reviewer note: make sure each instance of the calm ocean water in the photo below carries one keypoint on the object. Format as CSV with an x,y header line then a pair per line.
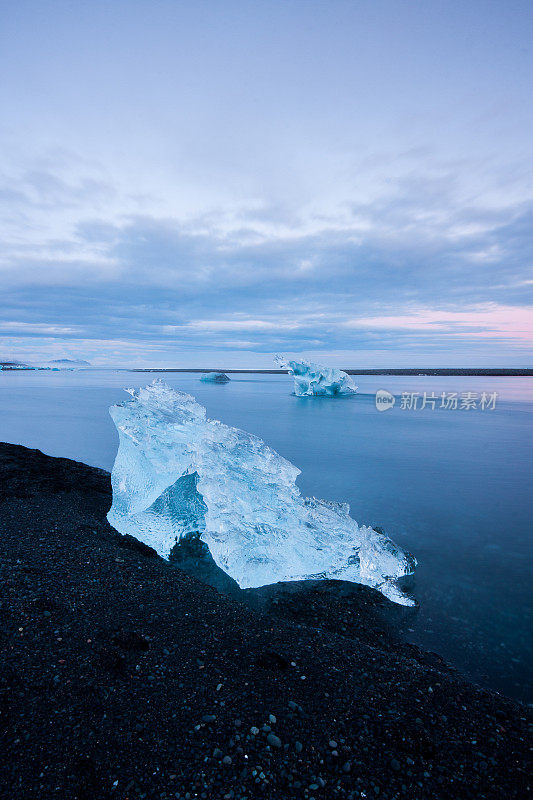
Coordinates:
x,y
452,486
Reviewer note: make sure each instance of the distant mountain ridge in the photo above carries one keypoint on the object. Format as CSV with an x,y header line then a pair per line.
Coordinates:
x,y
78,361
56,363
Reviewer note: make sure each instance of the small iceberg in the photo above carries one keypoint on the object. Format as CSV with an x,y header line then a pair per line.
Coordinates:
x,y
180,475
313,380
214,377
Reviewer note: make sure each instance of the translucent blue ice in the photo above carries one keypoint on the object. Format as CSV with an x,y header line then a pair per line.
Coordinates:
x,y
314,380
178,474
214,377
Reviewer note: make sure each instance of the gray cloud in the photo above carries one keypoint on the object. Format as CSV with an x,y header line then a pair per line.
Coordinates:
x,y
298,287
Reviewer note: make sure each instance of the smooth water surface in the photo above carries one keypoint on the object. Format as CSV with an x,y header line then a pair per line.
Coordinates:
x,y
451,486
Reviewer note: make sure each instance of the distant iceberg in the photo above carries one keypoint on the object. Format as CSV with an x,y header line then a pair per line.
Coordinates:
x,y
215,377
14,365
178,474
314,380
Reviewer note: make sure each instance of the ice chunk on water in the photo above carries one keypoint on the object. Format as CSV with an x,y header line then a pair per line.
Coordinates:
x,y
214,377
314,380
180,474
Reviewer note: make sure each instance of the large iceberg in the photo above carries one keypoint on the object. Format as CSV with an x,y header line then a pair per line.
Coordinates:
x,y
178,474
314,380
214,377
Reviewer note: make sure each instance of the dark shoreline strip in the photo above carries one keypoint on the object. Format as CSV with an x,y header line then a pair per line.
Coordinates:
x,y
494,372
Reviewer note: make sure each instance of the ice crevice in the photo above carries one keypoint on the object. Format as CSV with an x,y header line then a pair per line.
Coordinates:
x,y
179,474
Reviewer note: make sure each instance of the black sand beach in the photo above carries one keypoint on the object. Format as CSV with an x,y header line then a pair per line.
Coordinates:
x,y
124,677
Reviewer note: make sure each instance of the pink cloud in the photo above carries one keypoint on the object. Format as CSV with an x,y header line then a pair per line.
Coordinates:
x,y
483,322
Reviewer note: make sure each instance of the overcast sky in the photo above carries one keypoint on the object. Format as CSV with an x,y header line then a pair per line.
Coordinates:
x,y
205,183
